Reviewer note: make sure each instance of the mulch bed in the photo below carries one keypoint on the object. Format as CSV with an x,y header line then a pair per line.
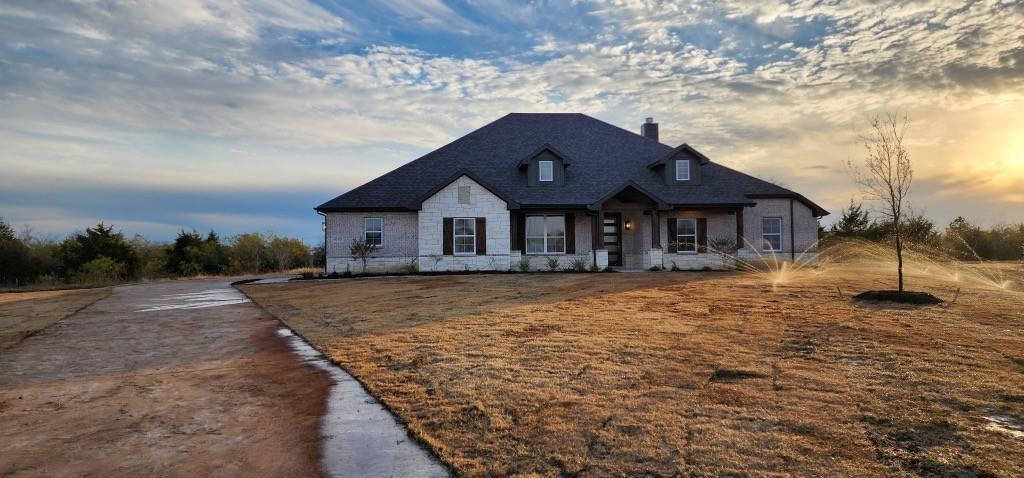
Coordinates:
x,y
904,297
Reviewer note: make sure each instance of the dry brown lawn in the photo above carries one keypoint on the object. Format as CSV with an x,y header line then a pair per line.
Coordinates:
x,y
668,374
25,313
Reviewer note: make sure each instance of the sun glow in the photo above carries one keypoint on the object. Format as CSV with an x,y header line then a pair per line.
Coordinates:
x,y
1016,162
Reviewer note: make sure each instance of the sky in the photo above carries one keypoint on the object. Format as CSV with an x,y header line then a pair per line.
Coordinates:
x,y
244,115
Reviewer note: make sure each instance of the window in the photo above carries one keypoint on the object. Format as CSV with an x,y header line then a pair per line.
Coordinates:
x,y
686,235
682,170
546,170
545,234
373,230
465,236
771,233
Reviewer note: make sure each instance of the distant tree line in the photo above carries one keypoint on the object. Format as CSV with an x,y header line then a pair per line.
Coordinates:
x,y
960,238
102,255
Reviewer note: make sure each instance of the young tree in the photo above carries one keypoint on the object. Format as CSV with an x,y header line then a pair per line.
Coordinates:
x,y
361,250
887,173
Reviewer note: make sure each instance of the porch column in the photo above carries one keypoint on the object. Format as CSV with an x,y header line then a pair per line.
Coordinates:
x,y
655,229
740,244
596,232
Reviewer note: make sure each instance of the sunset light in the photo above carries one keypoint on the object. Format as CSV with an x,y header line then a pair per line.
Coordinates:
x,y
512,238
112,111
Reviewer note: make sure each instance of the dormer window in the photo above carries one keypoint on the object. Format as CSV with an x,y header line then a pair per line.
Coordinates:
x,y
682,170
545,171
545,167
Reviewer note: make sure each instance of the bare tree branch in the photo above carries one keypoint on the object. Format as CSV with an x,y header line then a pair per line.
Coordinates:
x,y
887,173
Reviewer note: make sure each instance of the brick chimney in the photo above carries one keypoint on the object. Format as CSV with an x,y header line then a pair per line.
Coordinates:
x,y
649,129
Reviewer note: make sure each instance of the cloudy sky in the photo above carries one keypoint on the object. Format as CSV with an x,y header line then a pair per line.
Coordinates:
x,y
244,115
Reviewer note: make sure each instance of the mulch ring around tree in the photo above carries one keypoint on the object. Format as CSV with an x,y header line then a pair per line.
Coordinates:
x,y
905,297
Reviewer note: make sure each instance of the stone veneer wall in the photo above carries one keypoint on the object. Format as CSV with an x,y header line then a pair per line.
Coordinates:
x,y
406,234
720,224
397,252
805,231
445,203
583,225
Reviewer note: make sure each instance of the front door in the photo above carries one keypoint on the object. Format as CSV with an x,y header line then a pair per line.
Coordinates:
x,y
612,229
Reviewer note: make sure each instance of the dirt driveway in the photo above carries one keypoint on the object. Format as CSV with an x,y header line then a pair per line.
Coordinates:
x,y
169,379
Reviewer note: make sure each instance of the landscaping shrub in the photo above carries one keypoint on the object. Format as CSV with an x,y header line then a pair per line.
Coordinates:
x,y
578,264
723,245
524,264
552,264
361,250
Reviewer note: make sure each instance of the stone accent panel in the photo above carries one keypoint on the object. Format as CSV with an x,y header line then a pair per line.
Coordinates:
x,y
445,203
699,261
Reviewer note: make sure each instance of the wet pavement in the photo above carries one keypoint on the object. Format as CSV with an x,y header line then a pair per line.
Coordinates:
x,y
188,378
361,437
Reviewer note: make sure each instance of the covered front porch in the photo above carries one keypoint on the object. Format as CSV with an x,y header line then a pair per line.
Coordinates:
x,y
628,230
637,232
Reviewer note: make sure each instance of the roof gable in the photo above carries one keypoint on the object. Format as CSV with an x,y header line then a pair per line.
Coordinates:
x,y
418,203
629,185
683,149
546,148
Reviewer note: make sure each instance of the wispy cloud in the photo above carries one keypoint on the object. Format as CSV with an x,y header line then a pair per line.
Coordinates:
x,y
204,95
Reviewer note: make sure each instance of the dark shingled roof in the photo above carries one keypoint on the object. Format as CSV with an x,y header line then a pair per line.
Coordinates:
x,y
604,159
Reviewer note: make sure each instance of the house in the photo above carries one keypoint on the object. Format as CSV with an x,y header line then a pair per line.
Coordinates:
x,y
529,187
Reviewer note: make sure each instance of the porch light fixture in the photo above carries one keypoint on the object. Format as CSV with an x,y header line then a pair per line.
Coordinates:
x,y
629,224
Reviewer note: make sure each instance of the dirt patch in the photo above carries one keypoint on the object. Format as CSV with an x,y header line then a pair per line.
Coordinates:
x,y
23,314
666,374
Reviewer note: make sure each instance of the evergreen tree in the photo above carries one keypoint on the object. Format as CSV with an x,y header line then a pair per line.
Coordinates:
x,y
95,243
853,222
15,257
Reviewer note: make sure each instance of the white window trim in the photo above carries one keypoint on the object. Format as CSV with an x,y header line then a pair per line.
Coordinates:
x,y
679,243
686,169
365,230
765,245
472,220
540,171
545,237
